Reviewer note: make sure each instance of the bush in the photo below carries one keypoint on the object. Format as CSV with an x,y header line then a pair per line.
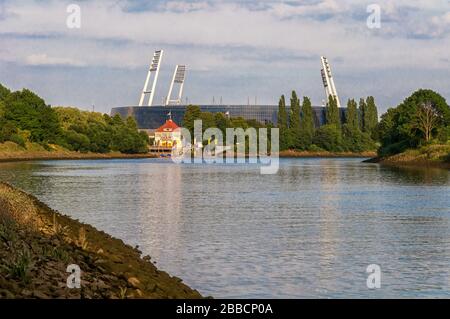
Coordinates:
x,y
329,137
77,142
19,140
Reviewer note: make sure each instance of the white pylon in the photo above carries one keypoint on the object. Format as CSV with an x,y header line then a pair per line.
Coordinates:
x,y
179,76
328,82
154,69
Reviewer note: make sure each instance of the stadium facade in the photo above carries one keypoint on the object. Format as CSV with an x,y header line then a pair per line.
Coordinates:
x,y
149,117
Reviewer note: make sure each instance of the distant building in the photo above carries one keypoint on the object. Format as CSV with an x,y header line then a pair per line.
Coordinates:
x,y
149,118
168,135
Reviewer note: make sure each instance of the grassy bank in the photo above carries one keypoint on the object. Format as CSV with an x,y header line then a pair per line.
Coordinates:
x,y
37,244
10,151
437,155
292,153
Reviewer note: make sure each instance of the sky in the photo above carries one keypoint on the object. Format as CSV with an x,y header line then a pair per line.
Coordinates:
x,y
234,50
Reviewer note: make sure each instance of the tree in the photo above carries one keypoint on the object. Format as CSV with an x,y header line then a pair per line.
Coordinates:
x,y
370,116
192,113
362,114
332,112
294,123
419,118
426,120
28,111
283,124
352,115
329,137
4,92
306,124
282,114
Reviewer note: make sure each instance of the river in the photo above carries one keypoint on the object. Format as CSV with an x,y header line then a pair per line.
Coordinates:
x,y
309,231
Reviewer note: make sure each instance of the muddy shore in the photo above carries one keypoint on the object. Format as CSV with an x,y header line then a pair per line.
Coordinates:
x,y
37,244
16,157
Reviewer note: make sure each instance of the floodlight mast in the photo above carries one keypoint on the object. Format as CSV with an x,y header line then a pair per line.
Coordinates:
x,y
154,69
179,76
328,82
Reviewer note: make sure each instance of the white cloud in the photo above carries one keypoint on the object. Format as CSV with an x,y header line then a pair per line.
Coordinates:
x,y
44,59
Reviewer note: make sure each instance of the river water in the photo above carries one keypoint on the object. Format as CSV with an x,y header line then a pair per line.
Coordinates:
x,y
309,231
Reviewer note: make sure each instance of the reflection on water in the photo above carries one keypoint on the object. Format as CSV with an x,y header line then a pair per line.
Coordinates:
x,y
309,231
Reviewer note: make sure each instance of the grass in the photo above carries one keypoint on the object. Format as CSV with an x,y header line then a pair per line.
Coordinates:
x,y
82,241
10,151
20,267
433,152
437,155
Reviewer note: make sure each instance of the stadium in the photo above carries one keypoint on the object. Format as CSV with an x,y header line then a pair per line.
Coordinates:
x,y
150,117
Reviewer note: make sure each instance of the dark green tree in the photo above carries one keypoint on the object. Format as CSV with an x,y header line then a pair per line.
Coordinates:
x,y
192,113
4,92
306,124
329,138
294,123
352,115
370,116
28,111
362,108
400,127
332,112
283,124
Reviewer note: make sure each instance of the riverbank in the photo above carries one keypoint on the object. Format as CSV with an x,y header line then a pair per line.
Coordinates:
x,y
37,244
11,152
437,156
293,153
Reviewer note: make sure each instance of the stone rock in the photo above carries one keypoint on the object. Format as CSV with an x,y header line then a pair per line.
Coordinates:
x,y
133,281
40,295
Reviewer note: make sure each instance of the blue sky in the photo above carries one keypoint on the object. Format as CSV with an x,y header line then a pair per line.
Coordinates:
x,y
233,49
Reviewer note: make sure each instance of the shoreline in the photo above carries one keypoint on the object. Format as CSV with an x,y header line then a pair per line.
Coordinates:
x,y
38,243
18,157
324,154
417,164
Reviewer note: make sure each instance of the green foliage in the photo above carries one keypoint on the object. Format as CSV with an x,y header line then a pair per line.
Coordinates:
x,y
283,124
192,113
27,111
329,137
332,112
352,115
282,114
93,132
306,125
294,123
4,92
369,116
302,134
356,141
7,130
400,129
25,116
19,140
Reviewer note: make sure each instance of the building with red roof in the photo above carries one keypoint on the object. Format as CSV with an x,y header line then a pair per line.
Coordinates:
x,y
168,135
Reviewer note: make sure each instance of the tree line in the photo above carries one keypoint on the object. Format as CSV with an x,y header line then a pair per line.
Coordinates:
x,y
353,131
421,119
26,118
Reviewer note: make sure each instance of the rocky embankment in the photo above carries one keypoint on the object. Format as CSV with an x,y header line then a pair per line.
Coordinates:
x,y
37,244
435,156
293,153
